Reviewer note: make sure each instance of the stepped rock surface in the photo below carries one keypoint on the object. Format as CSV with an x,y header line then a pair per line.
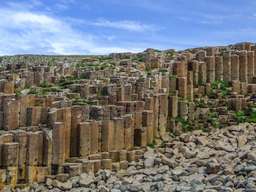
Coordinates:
x,y
221,160
151,121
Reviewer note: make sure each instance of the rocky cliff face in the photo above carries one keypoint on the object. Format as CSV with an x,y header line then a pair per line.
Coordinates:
x,y
65,118
221,160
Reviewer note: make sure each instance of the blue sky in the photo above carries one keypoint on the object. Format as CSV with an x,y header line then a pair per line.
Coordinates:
x,y
105,26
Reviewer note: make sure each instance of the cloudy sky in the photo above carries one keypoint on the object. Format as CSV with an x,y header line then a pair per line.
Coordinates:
x,y
105,26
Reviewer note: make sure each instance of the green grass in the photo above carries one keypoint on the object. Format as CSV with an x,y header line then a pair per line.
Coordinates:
x,y
152,145
163,70
213,119
172,77
219,86
68,80
45,84
42,91
200,103
252,115
18,93
80,101
101,65
240,116
186,127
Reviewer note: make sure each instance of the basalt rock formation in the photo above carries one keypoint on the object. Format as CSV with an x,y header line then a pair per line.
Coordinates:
x,y
62,116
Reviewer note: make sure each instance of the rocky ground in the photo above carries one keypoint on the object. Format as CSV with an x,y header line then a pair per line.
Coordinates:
x,y
222,160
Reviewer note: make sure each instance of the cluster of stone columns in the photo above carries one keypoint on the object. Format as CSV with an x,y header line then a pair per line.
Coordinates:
x,y
47,135
52,137
191,76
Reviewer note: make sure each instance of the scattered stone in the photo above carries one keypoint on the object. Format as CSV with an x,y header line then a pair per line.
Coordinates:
x,y
212,167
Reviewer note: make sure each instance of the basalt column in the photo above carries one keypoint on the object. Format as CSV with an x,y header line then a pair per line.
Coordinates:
x,y
172,85
163,114
95,137
182,87
77,116
181,69
210,63
190,86
254,50
250,66
147,122
35,156
227,66
165,82
35,148
64,115
195,69
35,115
10,114
202,73
129,131
21,137
58,156
219,67
10,162
84,139
107,136
234,67
243,65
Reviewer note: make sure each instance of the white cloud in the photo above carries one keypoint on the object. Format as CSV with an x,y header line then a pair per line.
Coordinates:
x,y
124,25
32,18
26,31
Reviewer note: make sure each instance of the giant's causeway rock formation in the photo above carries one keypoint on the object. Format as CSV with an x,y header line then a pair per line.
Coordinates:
x,y
151,121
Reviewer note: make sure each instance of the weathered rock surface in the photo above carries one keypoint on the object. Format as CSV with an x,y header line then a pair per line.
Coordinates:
x,y
209,162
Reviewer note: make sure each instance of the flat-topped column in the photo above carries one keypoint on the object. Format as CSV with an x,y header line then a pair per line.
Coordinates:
x,y
243,65
58,152
250,65
195,69
210,63
219,67
227,66
129,131
234,67
84,139
202,73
